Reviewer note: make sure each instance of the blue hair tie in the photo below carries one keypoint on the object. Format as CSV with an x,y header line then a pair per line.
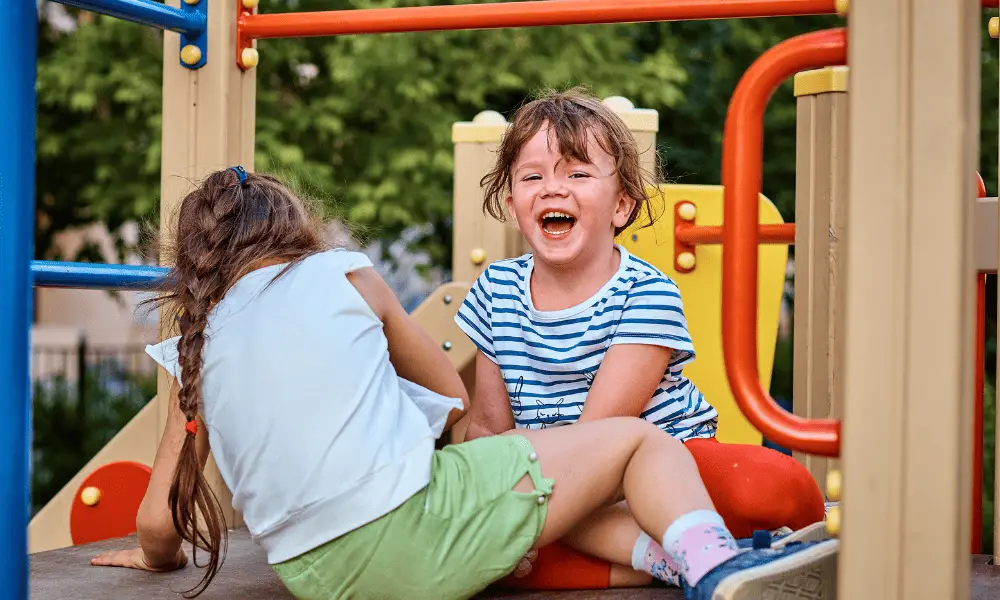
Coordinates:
x,y
241,173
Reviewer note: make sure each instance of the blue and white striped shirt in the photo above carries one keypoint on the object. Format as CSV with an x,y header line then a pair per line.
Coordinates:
x,y
549,359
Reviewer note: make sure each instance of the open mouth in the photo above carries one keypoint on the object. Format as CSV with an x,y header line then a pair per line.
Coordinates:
x,y
557,223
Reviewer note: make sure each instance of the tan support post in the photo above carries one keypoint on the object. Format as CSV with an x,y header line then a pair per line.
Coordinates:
x,y
478,238
644,123
208,124
820,197
910,302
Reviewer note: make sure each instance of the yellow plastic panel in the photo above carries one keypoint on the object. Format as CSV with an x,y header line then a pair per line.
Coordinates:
x,y
701,291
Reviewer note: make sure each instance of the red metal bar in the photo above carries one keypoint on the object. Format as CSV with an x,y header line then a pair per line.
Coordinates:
x,y
977,429
538,13
991,3
980,388
696,235
742,160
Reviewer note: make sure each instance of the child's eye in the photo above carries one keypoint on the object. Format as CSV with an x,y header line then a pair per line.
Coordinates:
x,y
532,177
579,174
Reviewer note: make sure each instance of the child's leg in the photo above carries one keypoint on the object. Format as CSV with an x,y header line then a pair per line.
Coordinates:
x,y
602,552
612,534
654,473
752,487
593,463
756,488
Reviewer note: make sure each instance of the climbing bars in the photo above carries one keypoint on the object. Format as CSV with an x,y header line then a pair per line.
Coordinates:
x,y
742,161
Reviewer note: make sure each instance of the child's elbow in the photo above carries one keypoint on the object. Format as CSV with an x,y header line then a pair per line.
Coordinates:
x,y
156,526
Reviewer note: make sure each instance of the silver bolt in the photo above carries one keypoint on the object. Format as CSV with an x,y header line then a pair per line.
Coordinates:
x,y
446,346
447,299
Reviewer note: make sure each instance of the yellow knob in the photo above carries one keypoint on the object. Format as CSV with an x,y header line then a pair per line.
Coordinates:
x,y
685,260
477,256
191,2
90,495
842,7
250,57
833,521
995,27
250,4
190,54
833,482
686,211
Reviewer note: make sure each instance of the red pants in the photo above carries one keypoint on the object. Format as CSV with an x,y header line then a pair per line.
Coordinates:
x,y
752,487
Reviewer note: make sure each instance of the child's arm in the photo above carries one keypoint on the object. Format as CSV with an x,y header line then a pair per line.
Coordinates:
x,y
625,382
650,337
414,355
491,413
159,543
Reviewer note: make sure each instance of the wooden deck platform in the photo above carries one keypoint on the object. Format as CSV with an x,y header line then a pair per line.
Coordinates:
x,y
66,574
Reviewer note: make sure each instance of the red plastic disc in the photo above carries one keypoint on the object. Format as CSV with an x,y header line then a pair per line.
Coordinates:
x,y
118,489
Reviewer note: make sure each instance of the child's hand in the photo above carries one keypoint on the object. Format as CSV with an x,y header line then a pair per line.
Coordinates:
x,y
524,566
135,559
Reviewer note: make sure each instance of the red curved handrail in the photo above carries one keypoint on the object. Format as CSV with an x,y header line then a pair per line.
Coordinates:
x,y
980,186
742,160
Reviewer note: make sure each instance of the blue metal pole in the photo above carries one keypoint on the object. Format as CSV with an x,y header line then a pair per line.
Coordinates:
x,y
46,273
147,12
19,47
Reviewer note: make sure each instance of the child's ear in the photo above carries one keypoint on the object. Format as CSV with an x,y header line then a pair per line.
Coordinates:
x,y
623,210
509,203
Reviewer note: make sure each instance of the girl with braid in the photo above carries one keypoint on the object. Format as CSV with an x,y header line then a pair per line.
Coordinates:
x,y
321,401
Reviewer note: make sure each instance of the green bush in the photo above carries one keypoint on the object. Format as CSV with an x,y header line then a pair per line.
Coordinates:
x,y
68,430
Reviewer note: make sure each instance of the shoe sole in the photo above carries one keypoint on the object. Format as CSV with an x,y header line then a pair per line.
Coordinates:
x,y
807,575
812,533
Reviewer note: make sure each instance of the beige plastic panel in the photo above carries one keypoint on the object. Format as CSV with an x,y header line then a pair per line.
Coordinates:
x,y
436,315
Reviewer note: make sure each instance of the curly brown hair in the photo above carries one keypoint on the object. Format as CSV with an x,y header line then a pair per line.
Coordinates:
x,y
225,229
573,116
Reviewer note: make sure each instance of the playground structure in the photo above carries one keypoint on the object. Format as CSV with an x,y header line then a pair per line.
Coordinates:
x,y
890,239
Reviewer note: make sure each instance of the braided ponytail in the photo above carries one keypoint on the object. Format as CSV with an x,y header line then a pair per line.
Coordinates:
x,y
227,227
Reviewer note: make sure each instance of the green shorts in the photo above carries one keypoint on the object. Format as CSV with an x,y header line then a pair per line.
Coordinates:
x,y
465,530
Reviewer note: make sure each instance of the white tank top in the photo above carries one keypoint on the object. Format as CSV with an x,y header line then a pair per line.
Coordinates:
x,y
312,429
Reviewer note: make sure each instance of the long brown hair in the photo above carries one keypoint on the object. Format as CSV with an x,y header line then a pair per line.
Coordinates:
x,y
573,117
229,225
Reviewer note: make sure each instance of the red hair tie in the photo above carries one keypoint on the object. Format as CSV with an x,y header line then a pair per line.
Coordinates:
x,y
192,427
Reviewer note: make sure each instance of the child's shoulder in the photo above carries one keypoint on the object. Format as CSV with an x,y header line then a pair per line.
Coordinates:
x,y
642,272
341,259
508,268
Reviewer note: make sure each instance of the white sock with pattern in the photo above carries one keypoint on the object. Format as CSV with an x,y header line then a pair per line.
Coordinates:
x,y
650,557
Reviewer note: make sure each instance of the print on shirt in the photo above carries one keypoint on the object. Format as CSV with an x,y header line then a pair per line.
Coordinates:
x,y
515,398
549,360
545,419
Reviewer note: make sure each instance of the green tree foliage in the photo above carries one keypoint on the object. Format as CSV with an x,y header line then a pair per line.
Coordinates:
x,y
99,93
363,121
